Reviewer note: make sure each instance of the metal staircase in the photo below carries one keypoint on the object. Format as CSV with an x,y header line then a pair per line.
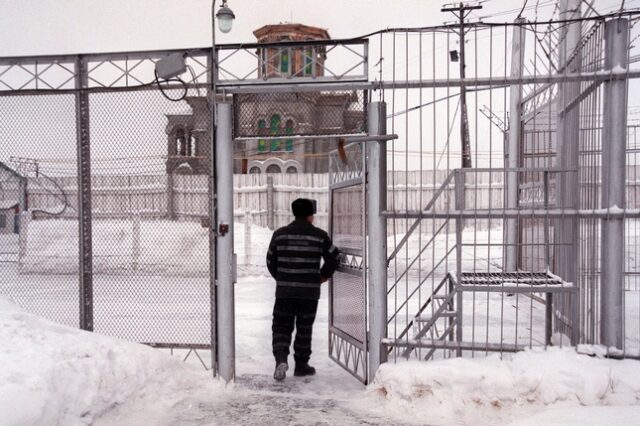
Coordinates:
x,y
439,321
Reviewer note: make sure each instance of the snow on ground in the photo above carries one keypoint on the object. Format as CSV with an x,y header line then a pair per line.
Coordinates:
x,y
53,374
69,376
498,391
578,416
124,246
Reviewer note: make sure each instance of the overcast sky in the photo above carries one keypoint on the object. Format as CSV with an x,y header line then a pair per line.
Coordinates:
x,y
29,27
34,27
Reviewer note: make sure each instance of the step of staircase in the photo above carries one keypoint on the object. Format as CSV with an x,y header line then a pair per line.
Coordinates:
x,y
428,318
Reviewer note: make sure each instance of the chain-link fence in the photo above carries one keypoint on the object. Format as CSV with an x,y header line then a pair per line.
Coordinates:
x,y
105,242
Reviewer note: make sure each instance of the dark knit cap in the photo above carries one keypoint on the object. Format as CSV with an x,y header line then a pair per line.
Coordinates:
x,y
303,207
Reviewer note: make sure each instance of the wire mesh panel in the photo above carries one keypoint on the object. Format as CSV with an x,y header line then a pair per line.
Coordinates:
x,y
137,240
41,126
151,252
348,292
527,199
264,115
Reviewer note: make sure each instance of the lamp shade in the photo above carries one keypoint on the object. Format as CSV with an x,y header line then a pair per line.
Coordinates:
x,y
225,18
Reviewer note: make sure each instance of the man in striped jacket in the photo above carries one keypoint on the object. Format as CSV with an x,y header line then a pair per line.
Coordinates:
x,y
293,260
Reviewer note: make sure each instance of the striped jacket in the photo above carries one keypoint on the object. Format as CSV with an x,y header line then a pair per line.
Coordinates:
x,y
294,257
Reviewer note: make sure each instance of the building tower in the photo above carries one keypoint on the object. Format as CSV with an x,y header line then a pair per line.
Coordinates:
x,y
264,121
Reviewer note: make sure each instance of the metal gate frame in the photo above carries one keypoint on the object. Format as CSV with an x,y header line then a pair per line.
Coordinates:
x,y
346,350
83,75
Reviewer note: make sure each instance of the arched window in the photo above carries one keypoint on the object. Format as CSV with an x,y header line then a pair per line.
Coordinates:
x,y
292,170
274,130
308,61
262,129
181,145
289,131
254,170
274,168
193,143
284,61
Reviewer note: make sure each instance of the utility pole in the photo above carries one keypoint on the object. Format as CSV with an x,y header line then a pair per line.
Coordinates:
x,y
461,11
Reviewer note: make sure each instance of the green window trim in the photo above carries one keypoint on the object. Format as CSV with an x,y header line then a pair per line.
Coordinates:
x,y
308,61
284,61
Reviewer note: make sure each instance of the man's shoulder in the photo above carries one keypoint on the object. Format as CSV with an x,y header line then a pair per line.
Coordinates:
x,y
299,228
319,232
322,232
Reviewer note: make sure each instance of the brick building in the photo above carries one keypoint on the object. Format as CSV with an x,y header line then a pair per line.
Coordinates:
x,y
262,118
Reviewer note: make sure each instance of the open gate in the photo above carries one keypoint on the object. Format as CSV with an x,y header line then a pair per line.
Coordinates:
x,y
348,287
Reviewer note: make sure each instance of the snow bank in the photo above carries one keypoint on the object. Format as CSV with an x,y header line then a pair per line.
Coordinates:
x,y
579,416
52,374
491,390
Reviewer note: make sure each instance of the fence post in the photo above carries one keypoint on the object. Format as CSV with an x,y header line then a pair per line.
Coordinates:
x,y
459,180
171,203
224,257
135,240
247,237
270,203
25,218
513,147
568,141
83,145
614,138
376,168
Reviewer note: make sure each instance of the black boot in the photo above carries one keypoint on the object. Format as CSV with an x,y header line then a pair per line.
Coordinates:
x,y
281,371
304,369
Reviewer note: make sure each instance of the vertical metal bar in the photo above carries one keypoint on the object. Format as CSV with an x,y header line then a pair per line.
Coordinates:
x,y
171,197
548,296
247,237
377,231
332,235
568,140
365,263
513,147
83,141
212,211
365,59
459,202
613,186
225,257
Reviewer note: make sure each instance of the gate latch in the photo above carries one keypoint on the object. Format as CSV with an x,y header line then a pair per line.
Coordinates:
x,y
223,229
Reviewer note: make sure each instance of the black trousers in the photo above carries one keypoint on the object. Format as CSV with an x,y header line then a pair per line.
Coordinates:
x,y
288,313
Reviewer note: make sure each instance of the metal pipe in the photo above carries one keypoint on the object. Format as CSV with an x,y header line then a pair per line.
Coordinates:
x,y
259,86
568,141
515,213
225,257
212,198
255,86
377,232
83,141
613,187
460,202
513,147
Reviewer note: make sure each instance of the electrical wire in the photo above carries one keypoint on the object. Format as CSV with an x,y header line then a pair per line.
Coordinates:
x,y
185,87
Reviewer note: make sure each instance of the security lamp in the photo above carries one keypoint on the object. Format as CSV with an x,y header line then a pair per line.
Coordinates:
x,y
225,17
